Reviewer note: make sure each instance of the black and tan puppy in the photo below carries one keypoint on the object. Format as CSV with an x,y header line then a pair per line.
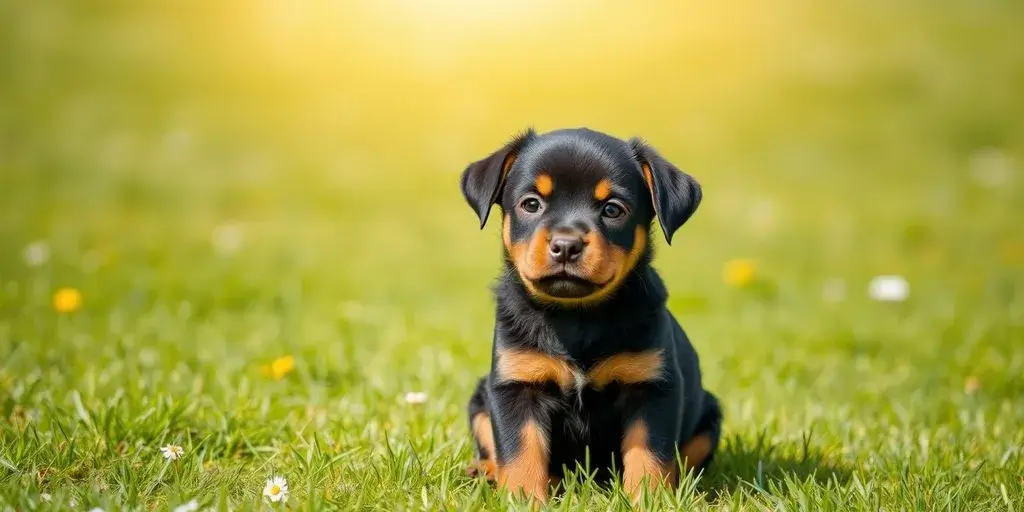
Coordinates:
x,y
586,357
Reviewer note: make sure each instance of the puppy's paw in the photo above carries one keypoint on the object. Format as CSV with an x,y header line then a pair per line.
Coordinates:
x,y
482,468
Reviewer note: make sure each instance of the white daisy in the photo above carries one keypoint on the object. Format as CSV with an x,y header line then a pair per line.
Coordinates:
x,y
191,506
415,397
889,289
172,451
276,489
36,253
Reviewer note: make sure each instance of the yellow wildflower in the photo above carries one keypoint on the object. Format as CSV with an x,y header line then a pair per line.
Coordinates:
x,y
67,300
739,272
280,367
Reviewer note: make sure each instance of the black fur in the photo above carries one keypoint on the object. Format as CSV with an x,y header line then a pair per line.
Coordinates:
x,y
676,194
482,180
586,422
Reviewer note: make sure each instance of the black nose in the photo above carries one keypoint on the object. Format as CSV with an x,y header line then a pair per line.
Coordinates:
x,y
565,248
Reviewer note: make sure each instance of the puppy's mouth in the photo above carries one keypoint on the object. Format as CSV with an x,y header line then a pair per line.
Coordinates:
x,y
564,284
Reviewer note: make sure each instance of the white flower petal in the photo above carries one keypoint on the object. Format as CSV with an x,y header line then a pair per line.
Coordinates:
x,y
172,452
276,489
191,506
890,288
415,397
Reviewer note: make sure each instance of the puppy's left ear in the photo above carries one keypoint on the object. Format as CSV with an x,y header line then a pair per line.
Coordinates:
x,y
674,193
482,180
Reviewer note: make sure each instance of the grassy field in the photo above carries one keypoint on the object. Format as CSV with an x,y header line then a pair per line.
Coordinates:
x,y
236,227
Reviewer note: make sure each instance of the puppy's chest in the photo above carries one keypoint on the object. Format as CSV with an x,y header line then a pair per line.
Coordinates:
x,y
528,366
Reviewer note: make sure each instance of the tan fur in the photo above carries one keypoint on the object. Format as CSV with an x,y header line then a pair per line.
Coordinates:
x,y
484,434
527,472
639,464
649,179
532,367
544,185
696,450
628,368
603,190
602,263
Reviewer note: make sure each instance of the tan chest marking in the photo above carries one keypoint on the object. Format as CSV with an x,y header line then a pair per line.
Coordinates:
x,y
628,368
534,367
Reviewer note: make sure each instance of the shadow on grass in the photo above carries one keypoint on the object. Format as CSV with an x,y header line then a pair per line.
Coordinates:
x,y
758,465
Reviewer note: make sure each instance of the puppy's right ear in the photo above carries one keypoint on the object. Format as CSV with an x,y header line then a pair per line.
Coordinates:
x,y
482,180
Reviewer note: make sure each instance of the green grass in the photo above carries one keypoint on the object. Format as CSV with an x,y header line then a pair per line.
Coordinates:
x,y
837,141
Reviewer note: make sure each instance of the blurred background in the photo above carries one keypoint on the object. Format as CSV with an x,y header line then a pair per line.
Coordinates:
x,y
225,183
140,140
819,125
229,154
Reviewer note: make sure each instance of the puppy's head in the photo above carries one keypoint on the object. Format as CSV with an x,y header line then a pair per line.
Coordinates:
x,y
577,206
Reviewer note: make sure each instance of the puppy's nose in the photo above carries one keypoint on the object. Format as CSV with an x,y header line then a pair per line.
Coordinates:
x,y
565,248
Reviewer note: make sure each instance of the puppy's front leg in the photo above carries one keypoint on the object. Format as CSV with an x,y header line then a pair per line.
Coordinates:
x,y
521,426
649,443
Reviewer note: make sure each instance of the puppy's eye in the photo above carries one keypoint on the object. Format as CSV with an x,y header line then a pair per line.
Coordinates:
x,y
612,211
530,205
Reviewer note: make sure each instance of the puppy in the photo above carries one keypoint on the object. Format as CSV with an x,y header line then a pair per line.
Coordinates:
x,y
587,362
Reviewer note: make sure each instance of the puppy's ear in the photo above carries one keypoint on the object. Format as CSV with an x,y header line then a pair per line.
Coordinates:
x,y
482,180
674,193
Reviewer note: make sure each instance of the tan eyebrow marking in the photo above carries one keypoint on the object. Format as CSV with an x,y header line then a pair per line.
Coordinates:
x,y
603,189
544,185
